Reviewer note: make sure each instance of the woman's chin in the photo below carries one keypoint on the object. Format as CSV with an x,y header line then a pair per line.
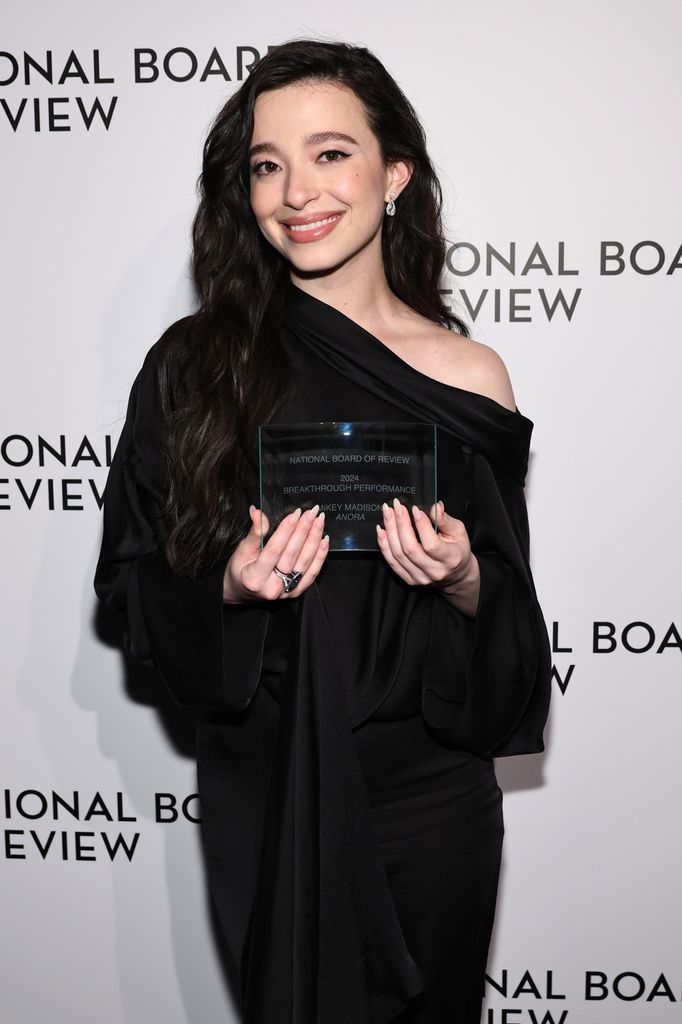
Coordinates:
x,y
322,266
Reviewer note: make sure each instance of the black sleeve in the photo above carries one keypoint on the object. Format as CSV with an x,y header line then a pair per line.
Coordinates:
x,y
487,681
208,653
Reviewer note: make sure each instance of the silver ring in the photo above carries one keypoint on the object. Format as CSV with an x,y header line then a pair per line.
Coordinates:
x,y
289,579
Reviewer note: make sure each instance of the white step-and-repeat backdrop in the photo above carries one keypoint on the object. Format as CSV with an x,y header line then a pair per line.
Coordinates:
x,y
555,129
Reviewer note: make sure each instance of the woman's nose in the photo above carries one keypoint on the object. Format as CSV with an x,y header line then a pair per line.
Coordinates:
x,y
300,187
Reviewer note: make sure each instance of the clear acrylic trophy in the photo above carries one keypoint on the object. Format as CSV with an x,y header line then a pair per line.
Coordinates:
x,y
349,469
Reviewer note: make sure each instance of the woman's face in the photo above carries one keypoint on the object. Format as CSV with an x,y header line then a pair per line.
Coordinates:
x,y
302,171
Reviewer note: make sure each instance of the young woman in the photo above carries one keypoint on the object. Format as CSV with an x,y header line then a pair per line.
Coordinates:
x,y
352,819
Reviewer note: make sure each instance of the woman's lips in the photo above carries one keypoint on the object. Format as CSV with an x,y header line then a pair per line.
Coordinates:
x,y
313,230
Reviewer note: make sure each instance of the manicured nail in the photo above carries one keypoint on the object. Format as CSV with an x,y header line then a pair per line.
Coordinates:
x,y
252,508
385,508
296,513
315,509
416,512
397,506
320,518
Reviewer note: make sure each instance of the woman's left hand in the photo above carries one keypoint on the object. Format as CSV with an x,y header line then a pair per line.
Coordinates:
x,y
427,558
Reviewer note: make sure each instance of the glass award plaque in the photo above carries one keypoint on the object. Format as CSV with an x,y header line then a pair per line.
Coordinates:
x,y
350,470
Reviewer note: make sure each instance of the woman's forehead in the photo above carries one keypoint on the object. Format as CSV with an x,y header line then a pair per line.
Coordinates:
x,y
302,104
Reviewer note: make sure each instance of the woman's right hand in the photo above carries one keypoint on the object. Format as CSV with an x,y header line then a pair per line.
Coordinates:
x,y
297,543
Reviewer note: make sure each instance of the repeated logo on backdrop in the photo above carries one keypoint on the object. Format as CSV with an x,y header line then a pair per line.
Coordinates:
x,y
550,276
54,472
552,996
83,83
44,825
602,638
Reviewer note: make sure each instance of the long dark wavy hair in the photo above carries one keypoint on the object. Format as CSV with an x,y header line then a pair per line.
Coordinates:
x,y
234,371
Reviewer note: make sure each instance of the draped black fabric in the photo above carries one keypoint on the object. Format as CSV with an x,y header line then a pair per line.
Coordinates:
x,y
319,938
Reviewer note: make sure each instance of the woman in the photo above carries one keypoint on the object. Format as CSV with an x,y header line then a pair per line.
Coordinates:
x,y
352,819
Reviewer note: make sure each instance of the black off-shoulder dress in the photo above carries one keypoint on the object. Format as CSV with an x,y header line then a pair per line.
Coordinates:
x,y
352,819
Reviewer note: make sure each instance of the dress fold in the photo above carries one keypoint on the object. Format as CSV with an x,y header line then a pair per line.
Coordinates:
x,y
324,941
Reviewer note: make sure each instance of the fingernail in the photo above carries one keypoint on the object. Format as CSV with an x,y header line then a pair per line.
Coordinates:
x,y
296,513
320,518
442,506
397,506
315,509
385,508
251,509
416,512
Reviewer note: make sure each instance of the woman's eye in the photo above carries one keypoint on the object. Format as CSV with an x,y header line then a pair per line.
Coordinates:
x,y
256,169
338,152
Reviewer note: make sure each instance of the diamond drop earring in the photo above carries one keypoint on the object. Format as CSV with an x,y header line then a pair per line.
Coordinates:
x,y
390,205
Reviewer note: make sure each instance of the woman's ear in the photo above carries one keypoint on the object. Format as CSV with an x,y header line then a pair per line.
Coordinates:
x,y
399,173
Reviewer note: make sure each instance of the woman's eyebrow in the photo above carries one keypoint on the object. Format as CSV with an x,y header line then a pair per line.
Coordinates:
x,y
310,140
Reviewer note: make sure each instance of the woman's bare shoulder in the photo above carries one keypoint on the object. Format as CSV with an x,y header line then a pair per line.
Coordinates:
x,y
462,362
483,369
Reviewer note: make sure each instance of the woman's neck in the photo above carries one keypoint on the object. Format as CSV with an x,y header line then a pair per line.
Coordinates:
x,y
364,297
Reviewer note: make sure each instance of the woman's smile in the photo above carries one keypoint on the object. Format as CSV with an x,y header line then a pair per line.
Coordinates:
x,y
302,230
